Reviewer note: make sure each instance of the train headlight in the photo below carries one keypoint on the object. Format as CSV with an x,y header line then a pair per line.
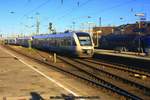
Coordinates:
x,y
88,51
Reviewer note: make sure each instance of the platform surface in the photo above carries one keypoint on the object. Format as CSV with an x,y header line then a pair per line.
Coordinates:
x,y
123,54
18,80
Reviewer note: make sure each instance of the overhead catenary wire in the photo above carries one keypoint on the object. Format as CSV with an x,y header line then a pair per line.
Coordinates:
x,y
36,8
102,11
27,2
74,9
69,11
56,9
114,6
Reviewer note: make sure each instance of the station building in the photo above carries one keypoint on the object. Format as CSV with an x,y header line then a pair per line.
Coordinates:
x,y
143,27
98,31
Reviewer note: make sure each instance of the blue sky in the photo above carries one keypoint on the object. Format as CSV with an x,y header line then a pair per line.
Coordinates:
x,y
19,16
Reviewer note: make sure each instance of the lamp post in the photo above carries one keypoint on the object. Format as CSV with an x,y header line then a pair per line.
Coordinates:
x,y
140,15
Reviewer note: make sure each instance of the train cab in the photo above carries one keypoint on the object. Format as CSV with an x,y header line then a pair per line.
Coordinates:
x,y
85,44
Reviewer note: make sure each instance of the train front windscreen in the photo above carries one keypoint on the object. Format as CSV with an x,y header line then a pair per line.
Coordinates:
x,y
84,39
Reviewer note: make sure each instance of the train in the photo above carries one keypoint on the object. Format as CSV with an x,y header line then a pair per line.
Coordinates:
x,y
125,42
78,44
23,41
11,41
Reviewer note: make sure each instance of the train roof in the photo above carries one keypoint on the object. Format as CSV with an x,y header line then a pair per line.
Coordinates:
x,y
65,34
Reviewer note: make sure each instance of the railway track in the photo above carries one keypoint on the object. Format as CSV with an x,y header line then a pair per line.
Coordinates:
x,y
119,67
137,65
91,76
108,77
126,75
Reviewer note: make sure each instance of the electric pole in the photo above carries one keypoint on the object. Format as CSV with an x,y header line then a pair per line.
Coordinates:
x,y
100,21
37,24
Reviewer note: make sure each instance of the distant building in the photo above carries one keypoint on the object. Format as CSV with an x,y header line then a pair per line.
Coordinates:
x,y
98,31
134,28
122,29
103,30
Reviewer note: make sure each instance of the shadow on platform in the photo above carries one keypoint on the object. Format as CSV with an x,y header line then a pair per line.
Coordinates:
x,y
36,96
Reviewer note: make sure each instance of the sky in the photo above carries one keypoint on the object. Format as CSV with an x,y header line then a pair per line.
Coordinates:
x,y
20,16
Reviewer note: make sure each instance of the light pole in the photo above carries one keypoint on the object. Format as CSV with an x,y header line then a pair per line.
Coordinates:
x,y
37,23
140,15
100,21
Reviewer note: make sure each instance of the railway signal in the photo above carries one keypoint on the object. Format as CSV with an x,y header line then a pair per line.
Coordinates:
x,y
50,27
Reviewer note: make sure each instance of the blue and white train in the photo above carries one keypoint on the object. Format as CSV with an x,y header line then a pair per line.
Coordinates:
x,y
72,43
79,44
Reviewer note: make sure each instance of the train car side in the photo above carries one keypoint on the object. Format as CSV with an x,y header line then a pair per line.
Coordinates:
x,y
146,44
23,41
10,41
63,43
125,42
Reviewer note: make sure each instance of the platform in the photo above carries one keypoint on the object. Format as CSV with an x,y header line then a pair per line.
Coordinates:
x,y
131,60
17,80
123,54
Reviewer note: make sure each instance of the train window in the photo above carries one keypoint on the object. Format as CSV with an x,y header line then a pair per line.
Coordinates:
x,y
85,40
